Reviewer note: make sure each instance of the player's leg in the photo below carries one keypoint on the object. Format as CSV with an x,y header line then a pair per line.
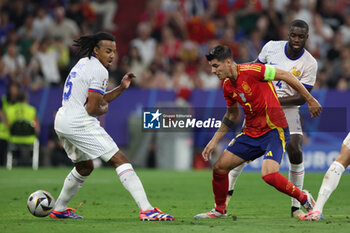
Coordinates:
x,y
232,178
83,166
132,183
225,163
295,155
274,143
296,169
330,181
270,174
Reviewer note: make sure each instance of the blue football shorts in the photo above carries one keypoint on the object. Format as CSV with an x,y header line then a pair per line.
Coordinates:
x,y
271,145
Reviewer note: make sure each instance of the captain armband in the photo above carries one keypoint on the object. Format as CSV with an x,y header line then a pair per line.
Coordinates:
x,y
270,73
228,122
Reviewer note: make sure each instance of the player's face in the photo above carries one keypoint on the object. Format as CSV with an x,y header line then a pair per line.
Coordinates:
x,y
105,52
220,68
297,38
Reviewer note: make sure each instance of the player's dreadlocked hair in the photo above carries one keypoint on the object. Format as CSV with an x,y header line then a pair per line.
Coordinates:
x,y
300,24
220,52
87,44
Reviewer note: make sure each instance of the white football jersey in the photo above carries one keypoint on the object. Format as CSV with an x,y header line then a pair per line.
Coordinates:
x,y
87,75
304,67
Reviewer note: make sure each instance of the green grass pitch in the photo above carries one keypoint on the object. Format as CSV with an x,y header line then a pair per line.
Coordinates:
x,y
255,206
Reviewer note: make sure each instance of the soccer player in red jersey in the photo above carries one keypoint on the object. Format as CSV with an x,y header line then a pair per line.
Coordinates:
x,y
265,132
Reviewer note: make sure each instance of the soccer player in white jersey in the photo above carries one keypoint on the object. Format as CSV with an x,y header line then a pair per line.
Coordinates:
x,y
289,56
330,181
84,98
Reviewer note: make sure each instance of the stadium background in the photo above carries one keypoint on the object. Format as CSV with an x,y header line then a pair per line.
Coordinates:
x,y
164,43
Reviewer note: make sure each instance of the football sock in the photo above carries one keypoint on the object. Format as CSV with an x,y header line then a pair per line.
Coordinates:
x,y
220,187
73,182
283,185
133,184
329,184
233,176
296,176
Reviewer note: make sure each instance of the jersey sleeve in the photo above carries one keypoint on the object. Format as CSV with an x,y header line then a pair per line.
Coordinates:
x,y
262,57
308,78
99,81
228,94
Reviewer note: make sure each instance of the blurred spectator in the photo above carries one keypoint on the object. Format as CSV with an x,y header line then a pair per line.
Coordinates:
x,y
44,64
18,12
155,16
201,28
170,44
255,44
270,21
329,14
7,100
63,27
296,10
14,63
106,10
179,77
5,25
320,35
26,31
135,62
345,29
41,22
206,79
248,13
145,44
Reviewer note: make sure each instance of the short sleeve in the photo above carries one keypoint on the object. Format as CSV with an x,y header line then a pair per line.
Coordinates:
x,y
308,78
228,94
99,81
262,57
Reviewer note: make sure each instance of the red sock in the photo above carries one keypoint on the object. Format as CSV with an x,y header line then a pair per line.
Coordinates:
x,y
283,185
220,189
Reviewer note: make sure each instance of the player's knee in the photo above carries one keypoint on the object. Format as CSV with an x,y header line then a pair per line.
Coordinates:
x,y
218,167
295,154
84,168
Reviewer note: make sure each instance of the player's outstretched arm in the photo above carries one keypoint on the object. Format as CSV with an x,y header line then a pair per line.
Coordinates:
x,y
314,107
230,117
125,84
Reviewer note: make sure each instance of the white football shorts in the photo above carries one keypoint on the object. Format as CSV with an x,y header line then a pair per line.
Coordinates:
x,y
88,143
293,120
346,141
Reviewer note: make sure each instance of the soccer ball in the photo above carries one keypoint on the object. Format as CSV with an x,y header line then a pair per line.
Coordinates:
x,y
40,203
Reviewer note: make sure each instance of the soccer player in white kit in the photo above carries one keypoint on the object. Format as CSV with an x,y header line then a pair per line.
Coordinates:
x,y
330,181
84,98
293,57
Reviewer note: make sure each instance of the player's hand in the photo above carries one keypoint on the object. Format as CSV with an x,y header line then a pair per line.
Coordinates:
x,y
314,107
126,81
208,150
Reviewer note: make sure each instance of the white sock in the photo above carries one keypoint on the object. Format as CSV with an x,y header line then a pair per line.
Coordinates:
x,y
296,176
73,182
329,184
233,176
133,184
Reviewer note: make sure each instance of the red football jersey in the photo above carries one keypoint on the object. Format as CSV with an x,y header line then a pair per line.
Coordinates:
x,y
258,98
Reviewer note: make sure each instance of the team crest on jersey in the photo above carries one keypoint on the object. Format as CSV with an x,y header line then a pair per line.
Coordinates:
x,y
246,88
104,83
296,72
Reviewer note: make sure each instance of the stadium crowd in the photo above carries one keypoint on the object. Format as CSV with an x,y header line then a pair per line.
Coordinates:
x,y
171,39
